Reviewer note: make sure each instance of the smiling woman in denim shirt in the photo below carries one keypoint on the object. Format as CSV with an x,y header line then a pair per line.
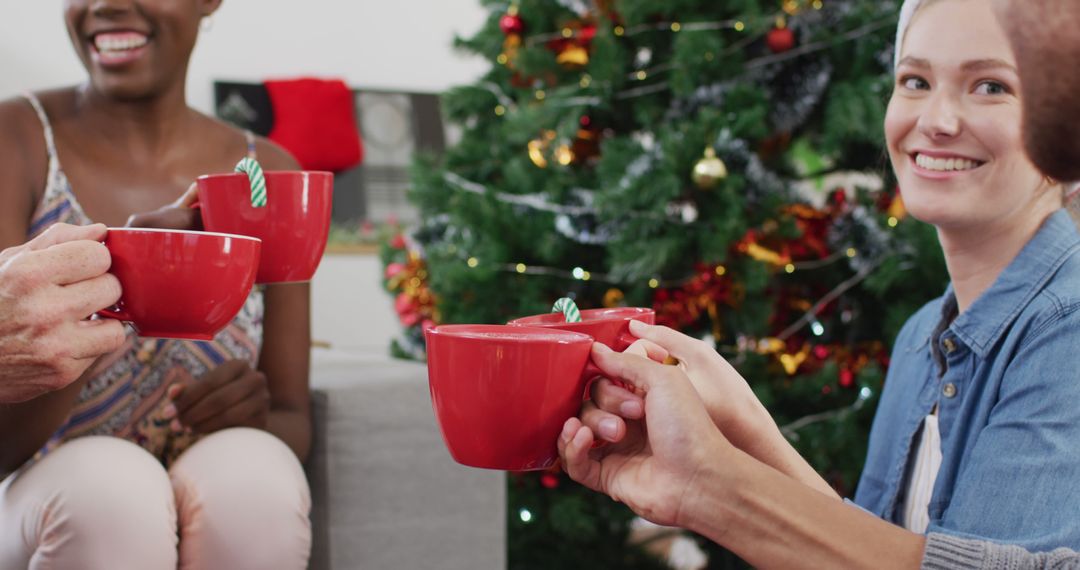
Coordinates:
x,y
978,431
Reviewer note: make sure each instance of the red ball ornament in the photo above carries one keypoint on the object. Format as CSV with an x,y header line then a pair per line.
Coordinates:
x,y
839,199
407,309
398,242
586,33
393,269
780,40
549,480
847,378
511,24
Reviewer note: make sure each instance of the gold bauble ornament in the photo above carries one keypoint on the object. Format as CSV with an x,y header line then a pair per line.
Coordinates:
x,y
709,171
897,209
564,155
536,153
573,57
538,148
613,298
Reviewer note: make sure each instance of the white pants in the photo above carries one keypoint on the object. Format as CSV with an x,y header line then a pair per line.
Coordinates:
x,y
237,499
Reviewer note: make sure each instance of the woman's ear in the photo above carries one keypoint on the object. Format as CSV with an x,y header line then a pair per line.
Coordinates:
x,y
209,7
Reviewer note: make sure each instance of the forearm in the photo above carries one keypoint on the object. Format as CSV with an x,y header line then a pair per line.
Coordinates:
x,y
773,521
758,436
285,360
27,426
294,428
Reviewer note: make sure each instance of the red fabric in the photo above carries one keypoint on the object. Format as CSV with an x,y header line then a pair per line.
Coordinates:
x,y
315,120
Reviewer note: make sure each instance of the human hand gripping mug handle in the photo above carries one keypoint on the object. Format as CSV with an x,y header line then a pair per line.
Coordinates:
x,y
116,312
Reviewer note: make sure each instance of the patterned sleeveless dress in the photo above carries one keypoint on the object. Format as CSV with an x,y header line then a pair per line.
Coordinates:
x,y
125,396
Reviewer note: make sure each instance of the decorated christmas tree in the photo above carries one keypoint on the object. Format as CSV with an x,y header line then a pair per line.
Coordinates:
x,y
721,162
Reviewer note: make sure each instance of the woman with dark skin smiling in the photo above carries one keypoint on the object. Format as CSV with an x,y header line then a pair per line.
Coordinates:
x,y
165,453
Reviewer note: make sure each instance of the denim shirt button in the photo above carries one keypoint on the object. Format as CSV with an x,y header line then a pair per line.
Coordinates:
x,y
949,390
950,345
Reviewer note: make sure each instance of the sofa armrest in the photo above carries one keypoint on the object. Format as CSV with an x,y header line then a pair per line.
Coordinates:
x,y
385,492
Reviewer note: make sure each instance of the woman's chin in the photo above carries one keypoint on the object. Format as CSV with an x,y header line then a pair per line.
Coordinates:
x,y
125,88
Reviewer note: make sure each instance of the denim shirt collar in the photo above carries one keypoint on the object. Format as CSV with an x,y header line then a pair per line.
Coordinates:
x,y
983,323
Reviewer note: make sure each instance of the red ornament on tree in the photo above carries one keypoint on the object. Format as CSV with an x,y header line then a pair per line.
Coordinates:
x,y
549,480
408,309
393,269
511,23
780,38
847,378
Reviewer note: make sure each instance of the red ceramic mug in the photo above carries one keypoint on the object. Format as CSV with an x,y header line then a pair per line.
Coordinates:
x,y
606,326
501,394
178,283
293,226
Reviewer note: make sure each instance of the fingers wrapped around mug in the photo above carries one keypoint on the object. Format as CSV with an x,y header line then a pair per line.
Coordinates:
x,y
179,215
575,446
608,426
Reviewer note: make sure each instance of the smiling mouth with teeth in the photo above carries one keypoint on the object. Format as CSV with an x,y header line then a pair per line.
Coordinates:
x,y
946,164
111,43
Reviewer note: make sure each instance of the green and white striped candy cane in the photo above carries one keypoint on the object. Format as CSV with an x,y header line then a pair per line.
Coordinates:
x,y
568,308
251,167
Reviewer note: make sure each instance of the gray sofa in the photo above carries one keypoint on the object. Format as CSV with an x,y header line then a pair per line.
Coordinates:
x,y
385,492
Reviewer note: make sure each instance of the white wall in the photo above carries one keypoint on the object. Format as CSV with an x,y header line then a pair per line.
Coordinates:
x,y
350,311
369,43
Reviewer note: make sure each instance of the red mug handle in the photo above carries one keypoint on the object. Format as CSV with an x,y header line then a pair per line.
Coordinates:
x,y
591,374
117,313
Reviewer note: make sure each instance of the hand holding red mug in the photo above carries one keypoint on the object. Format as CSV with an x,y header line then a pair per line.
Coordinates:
x,y
48,288
731,403
728,398
664,458
180,283
231,395
179,215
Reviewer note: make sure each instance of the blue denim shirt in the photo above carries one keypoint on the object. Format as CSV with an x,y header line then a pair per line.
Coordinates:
x,y
1005,375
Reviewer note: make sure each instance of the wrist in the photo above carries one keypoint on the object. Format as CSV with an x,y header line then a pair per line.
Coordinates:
x,y
750,428
710,490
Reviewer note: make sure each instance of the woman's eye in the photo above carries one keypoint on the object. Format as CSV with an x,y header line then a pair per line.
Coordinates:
x,y
914,83
991,88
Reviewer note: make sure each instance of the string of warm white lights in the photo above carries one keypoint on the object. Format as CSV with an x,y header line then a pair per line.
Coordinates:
x,y
823,44
810,316
791,430
620,31
676,27
655,283
770,59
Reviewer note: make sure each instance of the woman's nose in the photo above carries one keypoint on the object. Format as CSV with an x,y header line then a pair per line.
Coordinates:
x,y
941,118
110,7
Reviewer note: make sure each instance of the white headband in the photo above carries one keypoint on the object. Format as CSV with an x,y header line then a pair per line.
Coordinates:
x,y
907,11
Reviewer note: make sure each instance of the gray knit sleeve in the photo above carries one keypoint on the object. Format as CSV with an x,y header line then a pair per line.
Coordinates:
x,y
944,552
